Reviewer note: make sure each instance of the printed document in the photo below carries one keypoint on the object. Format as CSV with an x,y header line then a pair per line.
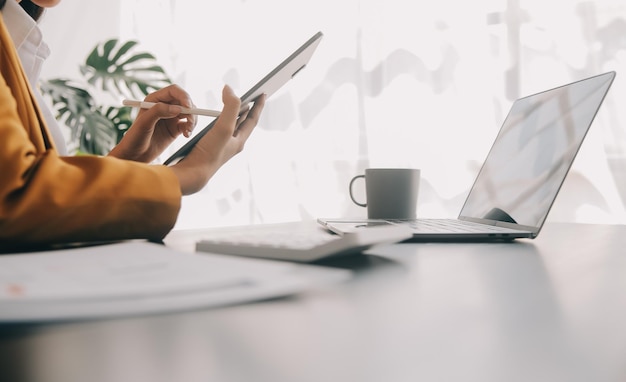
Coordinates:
x,y
139,277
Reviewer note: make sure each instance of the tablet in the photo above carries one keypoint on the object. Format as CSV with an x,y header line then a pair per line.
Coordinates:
x,y
278,77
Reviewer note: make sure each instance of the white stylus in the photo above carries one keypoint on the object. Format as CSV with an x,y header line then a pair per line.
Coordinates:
x,y
185,110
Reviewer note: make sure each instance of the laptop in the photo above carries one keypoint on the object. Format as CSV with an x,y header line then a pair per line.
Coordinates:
x,y
523,172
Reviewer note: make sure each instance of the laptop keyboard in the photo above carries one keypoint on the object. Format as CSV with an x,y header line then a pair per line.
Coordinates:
x,y
450,225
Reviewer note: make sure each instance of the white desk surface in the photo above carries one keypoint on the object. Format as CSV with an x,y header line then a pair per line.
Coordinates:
x,y
550,309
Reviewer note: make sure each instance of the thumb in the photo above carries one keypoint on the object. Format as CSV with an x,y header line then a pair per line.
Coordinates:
x,y
232,103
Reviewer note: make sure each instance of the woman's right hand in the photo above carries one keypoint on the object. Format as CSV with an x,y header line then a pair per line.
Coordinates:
x,y
226,139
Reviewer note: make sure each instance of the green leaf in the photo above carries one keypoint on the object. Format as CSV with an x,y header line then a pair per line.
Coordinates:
x,y
75,107
98,135
115,68
69,101
121,117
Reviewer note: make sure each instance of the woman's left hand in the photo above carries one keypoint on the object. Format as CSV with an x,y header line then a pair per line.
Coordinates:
x,y
156,128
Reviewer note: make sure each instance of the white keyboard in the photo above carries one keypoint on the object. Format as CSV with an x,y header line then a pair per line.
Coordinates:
x,y
281,242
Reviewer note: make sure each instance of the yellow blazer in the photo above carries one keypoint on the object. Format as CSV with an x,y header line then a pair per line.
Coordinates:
x,y
46,198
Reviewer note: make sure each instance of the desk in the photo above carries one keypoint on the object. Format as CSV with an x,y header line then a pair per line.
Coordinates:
x,y
552,309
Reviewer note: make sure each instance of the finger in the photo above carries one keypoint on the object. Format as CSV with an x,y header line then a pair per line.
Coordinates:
x,y
242,118
185,126
258,106
175,95
232,103
227,120
244,110
172,94
251,118
157,112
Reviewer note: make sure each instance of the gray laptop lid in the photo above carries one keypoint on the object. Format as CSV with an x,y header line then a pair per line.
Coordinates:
x,y
533,153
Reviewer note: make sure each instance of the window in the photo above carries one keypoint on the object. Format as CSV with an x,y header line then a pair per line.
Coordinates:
x,y
393,84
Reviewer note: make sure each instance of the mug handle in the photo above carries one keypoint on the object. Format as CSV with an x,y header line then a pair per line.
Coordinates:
x,y
351,196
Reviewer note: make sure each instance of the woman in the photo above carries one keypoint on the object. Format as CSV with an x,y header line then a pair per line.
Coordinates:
x,y
50,198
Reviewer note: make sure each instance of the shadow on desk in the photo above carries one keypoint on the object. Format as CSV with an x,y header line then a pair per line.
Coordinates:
x,y
362,264
17,248
355,262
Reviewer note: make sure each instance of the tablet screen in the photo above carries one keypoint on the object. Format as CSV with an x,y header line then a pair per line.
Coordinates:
x,y
273,81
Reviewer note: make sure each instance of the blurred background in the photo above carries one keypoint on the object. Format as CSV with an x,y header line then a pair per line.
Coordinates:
x,y
392,84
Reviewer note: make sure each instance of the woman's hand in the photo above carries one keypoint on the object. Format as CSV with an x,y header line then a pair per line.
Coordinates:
x,y
220,144
156,128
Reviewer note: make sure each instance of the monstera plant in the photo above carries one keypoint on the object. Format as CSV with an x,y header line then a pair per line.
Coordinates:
x,y
91,108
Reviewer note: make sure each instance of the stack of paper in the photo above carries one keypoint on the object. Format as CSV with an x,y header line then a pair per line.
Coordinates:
x,y
140,277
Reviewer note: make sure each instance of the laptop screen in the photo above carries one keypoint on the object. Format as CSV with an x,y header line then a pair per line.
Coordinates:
x,y
533,153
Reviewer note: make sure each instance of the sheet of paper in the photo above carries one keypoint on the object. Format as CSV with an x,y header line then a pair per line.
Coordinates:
x,y
140,277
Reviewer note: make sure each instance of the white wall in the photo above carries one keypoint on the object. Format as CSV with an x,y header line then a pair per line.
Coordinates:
x,y
91,21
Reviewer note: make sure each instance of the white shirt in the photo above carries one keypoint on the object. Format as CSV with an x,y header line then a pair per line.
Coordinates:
x,y
33,51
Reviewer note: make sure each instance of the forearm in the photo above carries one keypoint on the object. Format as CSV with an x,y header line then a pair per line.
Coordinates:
x,y
88,199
